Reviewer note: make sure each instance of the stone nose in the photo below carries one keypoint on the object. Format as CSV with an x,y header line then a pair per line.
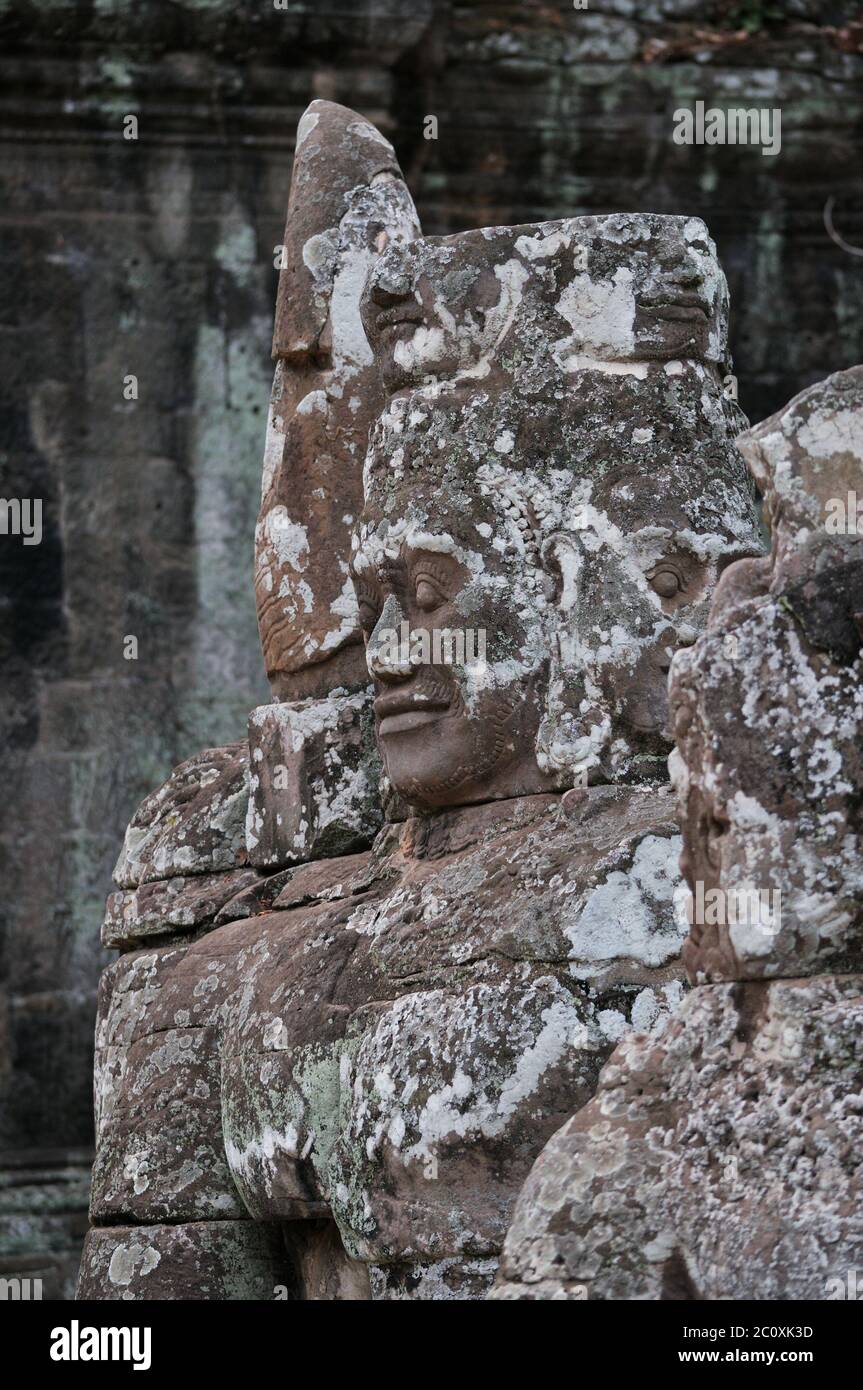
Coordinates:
x,y
391,285
386,298
388,651
686,272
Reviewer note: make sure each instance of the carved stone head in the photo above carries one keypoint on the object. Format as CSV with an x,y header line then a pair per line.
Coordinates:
x,y
768,714
554,469
348,202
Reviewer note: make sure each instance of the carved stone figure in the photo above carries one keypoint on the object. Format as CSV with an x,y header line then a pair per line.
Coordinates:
x,y
360,1051
348,202
314,778
555,467
721,1160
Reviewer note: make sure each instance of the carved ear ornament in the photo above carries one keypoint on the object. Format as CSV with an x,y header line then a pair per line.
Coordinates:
x,y
526,514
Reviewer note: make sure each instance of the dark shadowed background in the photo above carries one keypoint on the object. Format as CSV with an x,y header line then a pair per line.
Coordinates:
x,y
154,257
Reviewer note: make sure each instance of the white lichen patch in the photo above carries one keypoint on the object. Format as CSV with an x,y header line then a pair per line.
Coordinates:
x,y
630,914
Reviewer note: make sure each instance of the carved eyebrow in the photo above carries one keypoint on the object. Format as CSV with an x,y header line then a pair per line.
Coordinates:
x,y
676,550
421,555
674,537
441,544
370,569
371,558
676,554
689,548
416,559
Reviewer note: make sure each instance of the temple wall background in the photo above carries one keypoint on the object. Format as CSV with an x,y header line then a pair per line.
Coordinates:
x,y
154,257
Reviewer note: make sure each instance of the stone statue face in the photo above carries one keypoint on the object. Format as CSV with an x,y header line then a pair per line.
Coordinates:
x,y
665,510
768,716
645,575
348,201
556,424
615,288
453,725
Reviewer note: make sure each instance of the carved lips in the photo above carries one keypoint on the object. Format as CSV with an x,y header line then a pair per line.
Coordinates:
x,y
401,713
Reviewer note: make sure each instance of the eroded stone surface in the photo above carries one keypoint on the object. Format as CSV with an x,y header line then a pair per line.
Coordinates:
x,y
394,1043
314,786
207,1260
159,1154
322,1271
722,1159
348,202
769,710
173,904
194,824
717,1163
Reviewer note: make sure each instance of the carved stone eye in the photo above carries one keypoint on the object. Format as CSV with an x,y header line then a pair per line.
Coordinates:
x,y
666,583
427,595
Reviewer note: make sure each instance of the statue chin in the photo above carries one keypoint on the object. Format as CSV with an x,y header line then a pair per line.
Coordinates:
x,y
437,759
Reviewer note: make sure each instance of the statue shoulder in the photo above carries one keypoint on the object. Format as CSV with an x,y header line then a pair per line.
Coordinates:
x,y
193,823
184,855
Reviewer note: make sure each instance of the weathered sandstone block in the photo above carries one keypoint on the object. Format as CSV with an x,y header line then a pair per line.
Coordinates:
x,y
195,823
159,1154
172,905
215,1260
314,787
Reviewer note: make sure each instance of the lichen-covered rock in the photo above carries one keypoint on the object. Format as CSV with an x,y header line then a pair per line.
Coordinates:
x,y
159,1151
722,1159
172,905
442,1281
206,1260
717,1162
348,202
194,824
769,711
392,1044
554,481
314,785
